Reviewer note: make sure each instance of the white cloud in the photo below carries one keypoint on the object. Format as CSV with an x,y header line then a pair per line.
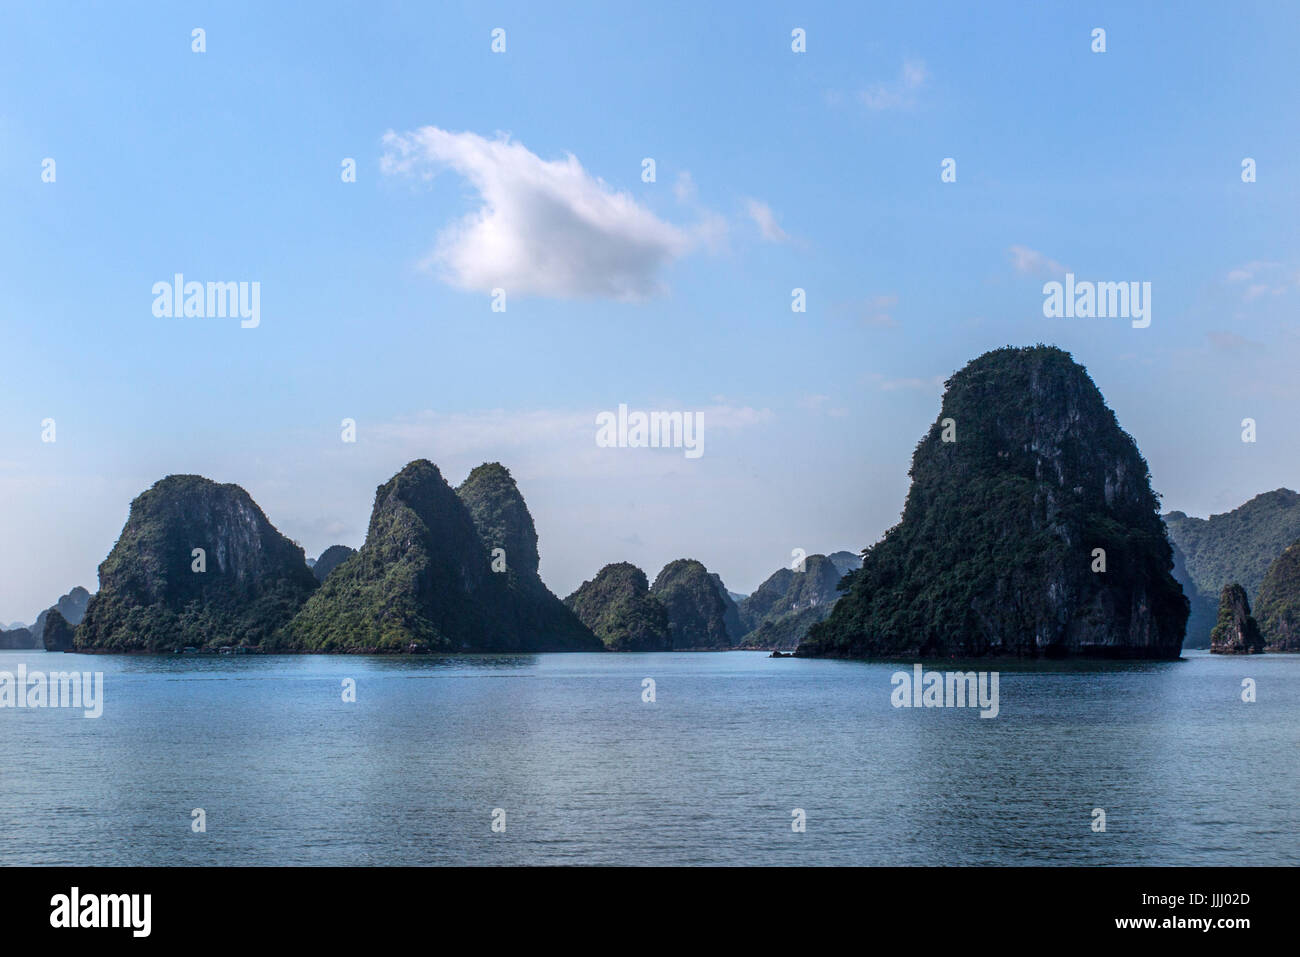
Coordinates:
x,y
897,94
765,219
1034,263
544,227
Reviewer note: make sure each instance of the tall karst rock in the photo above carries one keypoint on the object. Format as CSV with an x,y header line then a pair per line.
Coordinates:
x,y
505,527
196,564
1021,479
618,607
1236,632
697,615
423,581
58,634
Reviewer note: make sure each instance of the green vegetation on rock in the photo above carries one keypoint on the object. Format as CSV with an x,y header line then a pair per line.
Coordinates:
x,y
618,607
1278,608
423,579
995,549
535,617
697,615
150,596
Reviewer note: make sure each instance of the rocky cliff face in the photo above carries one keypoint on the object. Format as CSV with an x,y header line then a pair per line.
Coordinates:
x,y
1236,632
58,635
1278,608
697,616
535,616
1023,475
781,610
423,582
731,610
618,607
156,594
1236,546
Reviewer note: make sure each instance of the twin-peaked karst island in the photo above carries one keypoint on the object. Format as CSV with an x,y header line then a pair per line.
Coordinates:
x,y
996,554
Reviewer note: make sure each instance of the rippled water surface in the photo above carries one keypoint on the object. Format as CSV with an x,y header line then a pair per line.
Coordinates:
x,y
587,772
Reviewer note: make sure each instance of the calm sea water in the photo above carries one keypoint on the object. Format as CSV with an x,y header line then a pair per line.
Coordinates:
x,y
586,772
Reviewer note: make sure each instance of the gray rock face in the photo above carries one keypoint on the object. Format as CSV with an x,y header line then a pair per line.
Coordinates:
x,y
157,594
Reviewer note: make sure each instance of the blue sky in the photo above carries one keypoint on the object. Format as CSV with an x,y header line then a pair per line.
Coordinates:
x,y
774,170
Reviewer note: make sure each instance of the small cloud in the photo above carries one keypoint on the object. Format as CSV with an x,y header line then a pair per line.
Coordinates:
x,y
1033,263
899,94
813,401
543,227
765,219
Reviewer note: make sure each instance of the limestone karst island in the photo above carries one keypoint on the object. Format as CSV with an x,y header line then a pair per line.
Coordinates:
x,y
1030,530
